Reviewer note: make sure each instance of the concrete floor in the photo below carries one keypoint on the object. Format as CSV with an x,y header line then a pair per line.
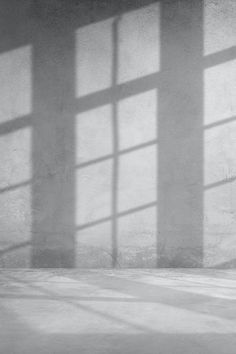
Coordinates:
x,y
122,311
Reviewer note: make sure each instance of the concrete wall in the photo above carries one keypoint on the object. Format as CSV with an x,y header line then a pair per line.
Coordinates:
x,y
117,133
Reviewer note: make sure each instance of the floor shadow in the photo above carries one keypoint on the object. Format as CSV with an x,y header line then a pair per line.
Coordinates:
x,y
21,337
24,333
183,297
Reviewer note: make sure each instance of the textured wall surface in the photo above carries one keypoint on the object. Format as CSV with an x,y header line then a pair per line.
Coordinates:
x,y
118,133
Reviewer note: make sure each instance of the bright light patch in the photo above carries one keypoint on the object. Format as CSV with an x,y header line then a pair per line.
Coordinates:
x,y
94,189
220,92
219,153
15,214
15,162
220,225
137,238
94,134
137,119
94,58
137,178
94,246
15,88
219,25
138,46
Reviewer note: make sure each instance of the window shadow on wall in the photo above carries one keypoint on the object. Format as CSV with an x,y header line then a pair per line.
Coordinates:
x,y
175,203
49,29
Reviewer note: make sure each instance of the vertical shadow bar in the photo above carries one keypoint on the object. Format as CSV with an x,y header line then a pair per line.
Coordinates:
x,y
115,143
180,212
53,145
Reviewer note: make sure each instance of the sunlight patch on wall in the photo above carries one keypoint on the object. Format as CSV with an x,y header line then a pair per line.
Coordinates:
x,y
219,25
93,192
94,247
137,178
220,153
137,239
15,161
15,197
137,119
15,88
139,53
94,134
220,225
15,218
219,164
94,58
220,92
15,214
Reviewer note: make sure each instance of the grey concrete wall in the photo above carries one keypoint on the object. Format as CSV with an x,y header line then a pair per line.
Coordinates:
x,y
117,133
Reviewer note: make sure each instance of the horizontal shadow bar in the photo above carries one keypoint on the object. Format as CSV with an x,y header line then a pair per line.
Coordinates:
x,y
57,297
15,124
117,93
220,183
14,247
122,152
119,215
15,186
220,122
220,57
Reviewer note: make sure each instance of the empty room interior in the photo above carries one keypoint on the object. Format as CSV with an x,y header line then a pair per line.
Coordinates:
x,y
117,176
